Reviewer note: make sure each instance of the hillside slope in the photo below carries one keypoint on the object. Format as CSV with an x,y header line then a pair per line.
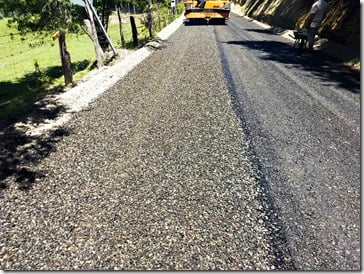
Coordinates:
x,y
341,24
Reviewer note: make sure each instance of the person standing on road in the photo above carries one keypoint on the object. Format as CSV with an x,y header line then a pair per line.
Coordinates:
x,y
314,19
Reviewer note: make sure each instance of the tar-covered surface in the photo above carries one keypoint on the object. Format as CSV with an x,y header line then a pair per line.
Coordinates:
x,y
219,151
301,111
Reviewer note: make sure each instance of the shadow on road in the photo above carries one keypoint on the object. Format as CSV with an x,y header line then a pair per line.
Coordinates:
x,y
204,22
271,30
19,151
322,66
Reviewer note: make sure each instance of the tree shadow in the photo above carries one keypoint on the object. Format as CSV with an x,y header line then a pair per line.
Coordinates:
x,y
19,152
15,97
270,30
57,72
322,66
141,42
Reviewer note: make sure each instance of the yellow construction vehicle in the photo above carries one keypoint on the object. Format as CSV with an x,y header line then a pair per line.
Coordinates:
x,y
206,10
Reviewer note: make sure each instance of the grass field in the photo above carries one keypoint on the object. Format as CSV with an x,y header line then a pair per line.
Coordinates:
x,y
30,65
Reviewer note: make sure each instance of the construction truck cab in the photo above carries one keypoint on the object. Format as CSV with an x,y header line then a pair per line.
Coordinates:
x,y
215,10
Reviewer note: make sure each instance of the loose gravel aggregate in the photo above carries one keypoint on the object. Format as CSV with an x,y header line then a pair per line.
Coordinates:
x,y
155,174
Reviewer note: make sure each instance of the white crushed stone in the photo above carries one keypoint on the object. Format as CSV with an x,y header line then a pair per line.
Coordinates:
x,y
80,96
171,28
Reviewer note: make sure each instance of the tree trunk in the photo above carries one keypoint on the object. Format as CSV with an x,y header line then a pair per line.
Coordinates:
x,y
103,13
118,11
90,24
107,14
98,50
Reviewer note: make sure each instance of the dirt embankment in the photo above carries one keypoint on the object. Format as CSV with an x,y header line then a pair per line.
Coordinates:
x,y
341,24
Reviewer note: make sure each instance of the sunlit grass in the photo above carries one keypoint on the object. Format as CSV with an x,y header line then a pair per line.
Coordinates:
x,y
30,64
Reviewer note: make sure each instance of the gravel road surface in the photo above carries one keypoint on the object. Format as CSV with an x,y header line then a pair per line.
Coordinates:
x,y
216,152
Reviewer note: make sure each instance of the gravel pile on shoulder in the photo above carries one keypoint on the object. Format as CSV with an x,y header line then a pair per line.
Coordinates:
x,y
156,175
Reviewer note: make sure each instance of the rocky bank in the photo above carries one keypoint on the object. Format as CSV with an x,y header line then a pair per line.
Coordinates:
x,y
340,25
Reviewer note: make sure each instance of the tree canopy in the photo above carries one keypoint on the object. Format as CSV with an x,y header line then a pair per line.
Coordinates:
x,y
50,15
41,14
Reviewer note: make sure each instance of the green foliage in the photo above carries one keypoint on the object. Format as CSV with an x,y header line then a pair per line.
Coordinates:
x,y
163,14
35,15
51,15
39,76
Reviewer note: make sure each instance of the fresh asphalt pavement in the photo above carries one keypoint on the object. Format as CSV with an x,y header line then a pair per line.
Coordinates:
x,y
224,149
301,111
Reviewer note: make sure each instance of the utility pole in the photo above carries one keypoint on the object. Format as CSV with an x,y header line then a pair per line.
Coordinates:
x,y
102,27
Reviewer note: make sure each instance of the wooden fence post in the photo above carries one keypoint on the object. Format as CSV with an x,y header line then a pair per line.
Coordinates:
x,y
159,18
134,31
150,18
65,56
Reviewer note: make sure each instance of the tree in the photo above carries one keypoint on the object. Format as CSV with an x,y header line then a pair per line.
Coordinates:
x,y
37,15
105,8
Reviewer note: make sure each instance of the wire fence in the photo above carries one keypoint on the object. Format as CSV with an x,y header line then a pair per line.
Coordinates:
x,y
24,55
32,63
19,54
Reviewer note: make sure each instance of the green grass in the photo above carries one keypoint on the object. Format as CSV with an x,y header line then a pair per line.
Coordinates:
x,y
30,65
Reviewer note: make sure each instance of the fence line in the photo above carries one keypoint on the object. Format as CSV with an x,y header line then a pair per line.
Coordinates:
x,y
47,54
10,34
31,58
18,64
